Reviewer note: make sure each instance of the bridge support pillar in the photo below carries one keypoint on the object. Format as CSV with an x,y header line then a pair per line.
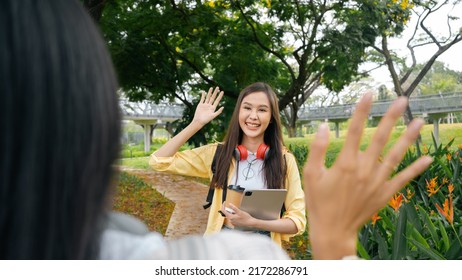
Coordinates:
x,y
436,125
337,126
147,138
147,132
337,129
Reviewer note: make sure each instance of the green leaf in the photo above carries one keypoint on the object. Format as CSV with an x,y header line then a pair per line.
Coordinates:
x,y
444,235
432,254
456,169
399,240
455,251
443,165
383,247
418,237
362,252
430,226
386,213
413,216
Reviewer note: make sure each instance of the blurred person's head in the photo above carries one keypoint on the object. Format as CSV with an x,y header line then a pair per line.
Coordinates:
x,y
59,130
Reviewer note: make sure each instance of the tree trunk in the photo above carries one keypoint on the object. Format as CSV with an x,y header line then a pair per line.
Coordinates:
x,y
407,116
153,126
169,128
291,131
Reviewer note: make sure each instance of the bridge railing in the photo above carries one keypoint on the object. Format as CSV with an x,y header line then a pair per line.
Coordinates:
x,y
150,110
429,104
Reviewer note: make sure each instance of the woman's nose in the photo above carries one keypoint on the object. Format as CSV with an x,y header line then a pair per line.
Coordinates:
x,y
253,114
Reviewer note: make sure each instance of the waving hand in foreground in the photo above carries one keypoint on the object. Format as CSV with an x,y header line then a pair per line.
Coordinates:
x,y
342,198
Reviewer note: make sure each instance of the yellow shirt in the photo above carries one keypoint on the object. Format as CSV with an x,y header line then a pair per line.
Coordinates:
x,y
197,162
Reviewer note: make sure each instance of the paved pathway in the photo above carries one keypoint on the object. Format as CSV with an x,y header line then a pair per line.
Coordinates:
x,y
188,217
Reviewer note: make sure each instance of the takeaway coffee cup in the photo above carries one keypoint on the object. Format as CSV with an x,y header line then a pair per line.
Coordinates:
x,y
233,195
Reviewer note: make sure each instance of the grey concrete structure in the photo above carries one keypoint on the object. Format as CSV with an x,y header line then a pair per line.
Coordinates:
x,y
148,113
434,106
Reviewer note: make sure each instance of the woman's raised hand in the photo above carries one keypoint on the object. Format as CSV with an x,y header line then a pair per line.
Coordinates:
x,y
342,198
205,112
206,109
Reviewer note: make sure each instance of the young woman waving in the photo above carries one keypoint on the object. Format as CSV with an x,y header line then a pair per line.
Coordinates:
x,y
252,156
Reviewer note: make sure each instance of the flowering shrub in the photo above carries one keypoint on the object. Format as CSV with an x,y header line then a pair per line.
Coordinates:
x,y
423,220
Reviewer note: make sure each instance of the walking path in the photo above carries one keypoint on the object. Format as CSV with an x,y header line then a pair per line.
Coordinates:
x,y
188,217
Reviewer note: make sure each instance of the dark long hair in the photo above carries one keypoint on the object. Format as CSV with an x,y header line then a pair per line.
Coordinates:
x,y
274,166
60,127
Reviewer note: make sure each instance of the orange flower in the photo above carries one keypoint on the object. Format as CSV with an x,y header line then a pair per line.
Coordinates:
x,y
460,146
375,218
425,149
447,211
445,180
431,187
451,188
449,156
396,201
409,193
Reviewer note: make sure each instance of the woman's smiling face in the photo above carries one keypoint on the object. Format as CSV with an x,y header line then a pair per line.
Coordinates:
x,y
255,115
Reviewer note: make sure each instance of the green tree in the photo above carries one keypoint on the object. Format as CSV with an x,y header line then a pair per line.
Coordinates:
x,y
440,79
166,50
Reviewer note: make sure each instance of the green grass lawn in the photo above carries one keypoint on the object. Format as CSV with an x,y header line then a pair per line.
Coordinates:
x,y
136,162
447,133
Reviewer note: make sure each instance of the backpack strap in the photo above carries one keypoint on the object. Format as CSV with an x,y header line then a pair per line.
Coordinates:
x,y
209,198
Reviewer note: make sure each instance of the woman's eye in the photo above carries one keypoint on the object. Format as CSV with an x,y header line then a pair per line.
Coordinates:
x,y
246,108
262,110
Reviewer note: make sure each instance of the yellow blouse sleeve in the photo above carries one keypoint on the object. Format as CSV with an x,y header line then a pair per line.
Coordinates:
x,y
295,200
195,162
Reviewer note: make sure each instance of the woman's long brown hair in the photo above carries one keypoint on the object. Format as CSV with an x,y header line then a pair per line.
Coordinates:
x,y
274,166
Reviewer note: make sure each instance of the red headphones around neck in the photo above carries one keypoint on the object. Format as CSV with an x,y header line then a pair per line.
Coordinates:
x,y
241,152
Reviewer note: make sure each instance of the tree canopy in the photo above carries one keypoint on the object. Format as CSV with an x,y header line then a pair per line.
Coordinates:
x,y
169,50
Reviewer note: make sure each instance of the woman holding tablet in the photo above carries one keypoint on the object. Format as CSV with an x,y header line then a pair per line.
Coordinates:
x,y
251,156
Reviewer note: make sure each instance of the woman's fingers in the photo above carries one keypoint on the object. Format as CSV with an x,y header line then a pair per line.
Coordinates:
x,y
406,175
214,95
384,129
315,161
218,99
209,94
217,112
396,153
202,97
355,131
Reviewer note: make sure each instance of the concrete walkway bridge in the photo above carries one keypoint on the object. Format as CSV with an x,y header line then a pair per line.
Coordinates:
x,y
149,114
435,107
